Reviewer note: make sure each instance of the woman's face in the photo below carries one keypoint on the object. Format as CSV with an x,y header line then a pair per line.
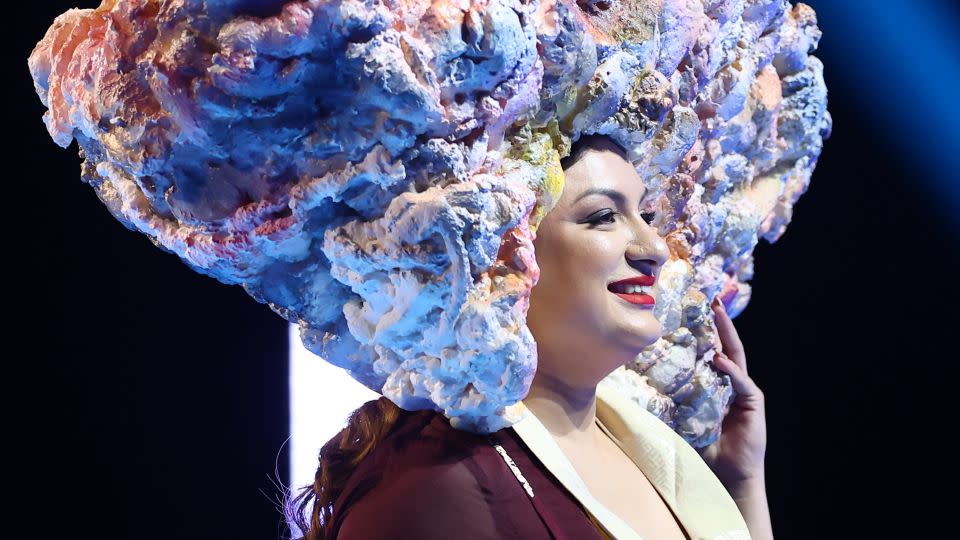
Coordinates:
x,y
588,241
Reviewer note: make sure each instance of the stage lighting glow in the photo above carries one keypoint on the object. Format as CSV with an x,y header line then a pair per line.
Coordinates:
x,y
322,396
900,58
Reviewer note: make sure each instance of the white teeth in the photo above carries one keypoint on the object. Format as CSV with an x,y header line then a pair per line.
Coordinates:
x,y
631,289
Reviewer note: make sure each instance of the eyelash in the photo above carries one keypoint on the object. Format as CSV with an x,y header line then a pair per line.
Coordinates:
x,y
597,220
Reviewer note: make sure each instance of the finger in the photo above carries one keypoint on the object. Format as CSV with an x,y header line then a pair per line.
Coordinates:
x,y
729,338
742,383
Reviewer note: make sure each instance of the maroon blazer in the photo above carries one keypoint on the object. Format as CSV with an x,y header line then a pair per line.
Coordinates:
x,y
430,481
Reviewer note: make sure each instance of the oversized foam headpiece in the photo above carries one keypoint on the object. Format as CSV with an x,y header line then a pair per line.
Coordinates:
x,y
374,170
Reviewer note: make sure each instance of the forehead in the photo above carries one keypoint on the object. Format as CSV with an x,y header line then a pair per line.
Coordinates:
x,y
601,167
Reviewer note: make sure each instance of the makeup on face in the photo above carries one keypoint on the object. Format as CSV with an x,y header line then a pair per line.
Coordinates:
x,y
618,198
635,290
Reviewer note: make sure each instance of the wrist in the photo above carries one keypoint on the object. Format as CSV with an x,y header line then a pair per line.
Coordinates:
x,y
748,488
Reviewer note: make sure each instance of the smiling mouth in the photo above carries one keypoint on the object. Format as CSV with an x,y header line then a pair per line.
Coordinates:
x,y
638,298
635,290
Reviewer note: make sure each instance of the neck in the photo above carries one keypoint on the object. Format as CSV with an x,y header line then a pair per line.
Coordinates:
x,y
569,413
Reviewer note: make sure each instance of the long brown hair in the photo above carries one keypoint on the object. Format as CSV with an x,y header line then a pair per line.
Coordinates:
x,y
366,427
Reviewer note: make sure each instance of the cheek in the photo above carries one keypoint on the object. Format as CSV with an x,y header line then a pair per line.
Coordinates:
x,y
595,257
571,299
582,265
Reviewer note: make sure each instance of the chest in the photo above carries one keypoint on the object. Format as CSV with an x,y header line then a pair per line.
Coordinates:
x,y
623,488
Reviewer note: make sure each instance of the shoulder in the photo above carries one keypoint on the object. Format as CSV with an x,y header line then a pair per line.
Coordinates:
x,y
436,502
421,482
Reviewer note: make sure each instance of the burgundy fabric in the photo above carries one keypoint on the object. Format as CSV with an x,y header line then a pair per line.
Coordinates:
x,y
430,481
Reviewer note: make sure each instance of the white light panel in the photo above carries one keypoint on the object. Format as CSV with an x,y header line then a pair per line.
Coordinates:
x,y
322,396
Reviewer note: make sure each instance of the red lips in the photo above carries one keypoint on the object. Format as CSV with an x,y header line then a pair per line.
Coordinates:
x,y
636,280
635,298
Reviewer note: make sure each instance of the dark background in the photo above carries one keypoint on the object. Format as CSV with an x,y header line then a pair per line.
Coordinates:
x,y
147,401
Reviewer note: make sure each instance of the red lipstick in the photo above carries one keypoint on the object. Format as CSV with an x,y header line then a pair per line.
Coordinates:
x,y
636,280
619,288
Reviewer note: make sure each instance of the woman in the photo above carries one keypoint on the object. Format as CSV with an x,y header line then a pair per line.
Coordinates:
x,y
368,170
416,477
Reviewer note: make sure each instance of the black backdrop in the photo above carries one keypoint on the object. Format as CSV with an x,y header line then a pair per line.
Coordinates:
x,y
146,401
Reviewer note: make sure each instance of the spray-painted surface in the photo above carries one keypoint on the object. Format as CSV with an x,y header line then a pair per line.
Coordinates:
x,y
374,170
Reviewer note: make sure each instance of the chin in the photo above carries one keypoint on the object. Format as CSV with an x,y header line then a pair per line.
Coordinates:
x,y
647,334
637,328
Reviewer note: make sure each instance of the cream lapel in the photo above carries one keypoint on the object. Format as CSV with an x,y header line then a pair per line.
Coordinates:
x,y
538,439
675,469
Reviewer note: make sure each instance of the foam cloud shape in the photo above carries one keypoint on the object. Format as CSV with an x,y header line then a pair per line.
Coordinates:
x,y
375,170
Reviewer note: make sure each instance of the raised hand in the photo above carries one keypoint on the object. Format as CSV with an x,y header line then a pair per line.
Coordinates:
x,y
737,457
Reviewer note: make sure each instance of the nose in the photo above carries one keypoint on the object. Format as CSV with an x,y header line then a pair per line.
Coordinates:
x,y
647,246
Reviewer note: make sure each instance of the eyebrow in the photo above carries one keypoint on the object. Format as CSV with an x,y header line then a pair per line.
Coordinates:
x,y
613,194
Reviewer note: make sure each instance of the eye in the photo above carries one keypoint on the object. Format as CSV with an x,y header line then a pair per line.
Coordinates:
x,y
606,217
648,217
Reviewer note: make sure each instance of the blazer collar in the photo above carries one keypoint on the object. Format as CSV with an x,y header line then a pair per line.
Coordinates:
x,y
691,490
536,436
676,470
